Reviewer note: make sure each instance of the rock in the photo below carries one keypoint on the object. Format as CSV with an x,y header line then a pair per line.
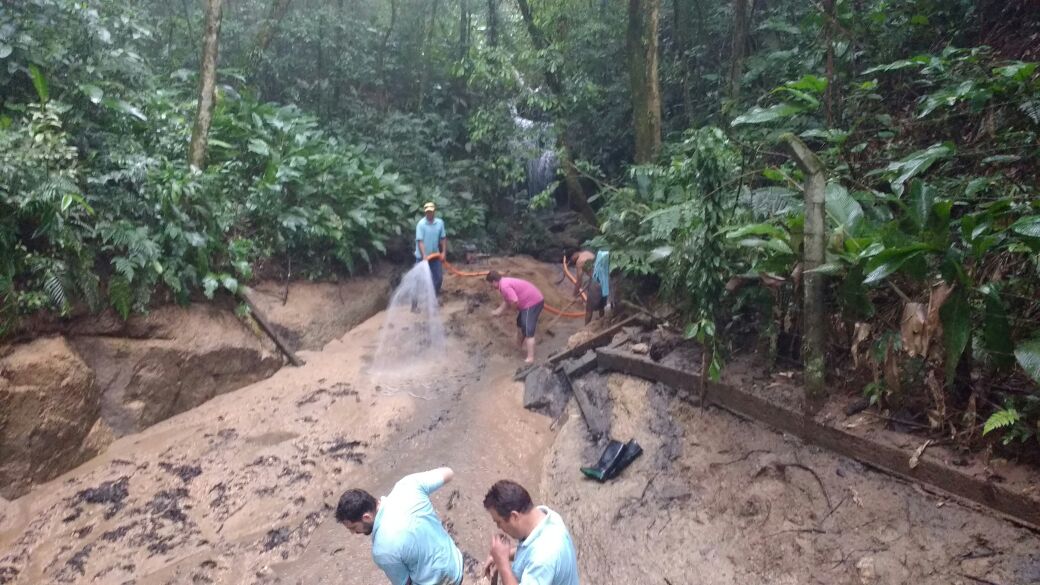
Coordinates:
x,y
49,405
640,348
544,392
173,359
866,570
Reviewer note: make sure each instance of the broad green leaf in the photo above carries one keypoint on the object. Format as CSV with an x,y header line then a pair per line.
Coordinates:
x,y
219,143
5,50
920,196
1001,158
93,93
1027,226
996,329
1028,355
259,147
1018,71
210,284
129,108
889,261
827,268
842,209
759,115
916,164
660,253
40,83
955,315
775,245
757,229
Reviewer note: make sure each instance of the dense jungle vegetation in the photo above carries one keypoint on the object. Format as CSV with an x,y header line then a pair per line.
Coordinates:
x,y
333,120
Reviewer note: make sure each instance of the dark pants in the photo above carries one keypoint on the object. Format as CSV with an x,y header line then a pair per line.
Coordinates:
x,y
437,274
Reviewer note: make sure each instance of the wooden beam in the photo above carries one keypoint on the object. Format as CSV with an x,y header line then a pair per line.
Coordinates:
x,y
1016,506
246,294
599,340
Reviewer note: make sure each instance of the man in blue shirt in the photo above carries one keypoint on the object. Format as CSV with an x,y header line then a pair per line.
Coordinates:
x,y
431,238
544,554
409,542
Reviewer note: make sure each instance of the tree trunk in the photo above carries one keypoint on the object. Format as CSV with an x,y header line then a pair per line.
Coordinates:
x,y
575,192
337,92
207,85
740,34
828,23
492,30
267,32
428,37
642,66
463,28
815,243
384,91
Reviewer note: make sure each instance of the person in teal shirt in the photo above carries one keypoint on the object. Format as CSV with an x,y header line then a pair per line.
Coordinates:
x,y
544,554
430,238
409,542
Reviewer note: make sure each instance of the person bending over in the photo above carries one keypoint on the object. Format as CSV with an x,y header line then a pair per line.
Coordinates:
x,y
528,301
409,542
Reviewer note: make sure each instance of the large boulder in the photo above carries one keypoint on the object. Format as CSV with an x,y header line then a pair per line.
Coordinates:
x,y
49,408
171,360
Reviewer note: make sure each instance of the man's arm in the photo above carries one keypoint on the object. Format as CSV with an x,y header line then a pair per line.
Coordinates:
x,y
419,240
443,242
395,570
433,480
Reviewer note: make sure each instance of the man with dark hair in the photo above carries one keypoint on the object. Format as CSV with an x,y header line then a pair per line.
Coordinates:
x,y
409,542
528,301
544,554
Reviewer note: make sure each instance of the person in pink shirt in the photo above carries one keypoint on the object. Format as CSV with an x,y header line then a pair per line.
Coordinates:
x,y
528,301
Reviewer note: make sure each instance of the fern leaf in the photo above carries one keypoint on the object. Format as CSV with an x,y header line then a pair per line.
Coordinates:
x,y
1032,109
120,295
56,291
1001,419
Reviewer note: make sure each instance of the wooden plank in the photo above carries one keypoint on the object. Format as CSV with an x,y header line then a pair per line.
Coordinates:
x,y
246,294
600,339
594,419
1013,505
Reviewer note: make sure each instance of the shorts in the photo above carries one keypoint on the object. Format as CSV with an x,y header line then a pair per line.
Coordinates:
x,y
527,319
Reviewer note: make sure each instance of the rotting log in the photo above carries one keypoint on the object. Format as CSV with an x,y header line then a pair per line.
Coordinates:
x,y
246,294
813,255
1015,506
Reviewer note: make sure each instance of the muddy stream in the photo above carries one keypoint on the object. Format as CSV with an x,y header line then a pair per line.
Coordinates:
x,y
241,489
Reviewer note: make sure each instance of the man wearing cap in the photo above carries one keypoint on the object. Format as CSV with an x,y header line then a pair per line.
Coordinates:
x,y
430,237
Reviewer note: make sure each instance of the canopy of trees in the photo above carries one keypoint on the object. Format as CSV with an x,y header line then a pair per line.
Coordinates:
x,y
158,150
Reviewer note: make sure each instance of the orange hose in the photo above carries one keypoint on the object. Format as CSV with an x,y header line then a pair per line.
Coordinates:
x,y
584,296
548,308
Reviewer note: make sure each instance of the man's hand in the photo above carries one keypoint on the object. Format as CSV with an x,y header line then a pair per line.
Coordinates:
x,y
490,570
500,549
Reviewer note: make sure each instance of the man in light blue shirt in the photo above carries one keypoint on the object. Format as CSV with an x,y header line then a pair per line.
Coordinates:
x,y
409,542
544,554
431,238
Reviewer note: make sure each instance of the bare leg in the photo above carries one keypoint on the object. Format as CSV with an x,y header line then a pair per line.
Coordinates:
x,y
529,342
519,337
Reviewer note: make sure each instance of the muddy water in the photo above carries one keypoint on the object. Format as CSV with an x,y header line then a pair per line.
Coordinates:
x,y
241,489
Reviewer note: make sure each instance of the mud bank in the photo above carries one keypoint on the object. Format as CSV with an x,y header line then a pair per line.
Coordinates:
x,y
66,397
240,490
720,500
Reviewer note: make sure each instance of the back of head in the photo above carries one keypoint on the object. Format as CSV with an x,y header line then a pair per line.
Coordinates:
x,y
493,276
507,496
354,504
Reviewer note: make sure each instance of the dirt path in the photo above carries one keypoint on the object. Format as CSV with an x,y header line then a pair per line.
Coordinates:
x,y
241,489
724,501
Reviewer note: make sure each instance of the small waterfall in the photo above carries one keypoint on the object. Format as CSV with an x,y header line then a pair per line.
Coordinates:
x,y
412,336
534,143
